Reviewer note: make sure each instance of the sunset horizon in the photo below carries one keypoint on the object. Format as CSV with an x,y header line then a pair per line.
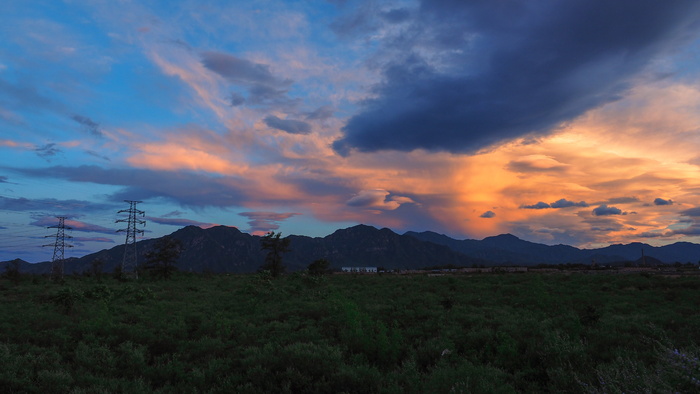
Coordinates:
x,y
572,123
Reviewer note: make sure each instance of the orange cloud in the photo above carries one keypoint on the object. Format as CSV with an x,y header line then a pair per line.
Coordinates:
x,y
172,156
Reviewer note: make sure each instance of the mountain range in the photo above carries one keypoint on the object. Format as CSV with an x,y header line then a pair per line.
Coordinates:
x,y
226,249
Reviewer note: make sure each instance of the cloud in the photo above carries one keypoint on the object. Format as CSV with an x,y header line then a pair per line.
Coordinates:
x,y
23,94
47,151
463,76
539,205
263,87
692,212
238,70
536,163
661,201
179,222
377,199
321,113
604,210
655,234
561,203
564,203
690,230
235,99
173,213
396,15
51,204
487,214
142,184
288,125
80,240
90,125
622,200
263,222
72,224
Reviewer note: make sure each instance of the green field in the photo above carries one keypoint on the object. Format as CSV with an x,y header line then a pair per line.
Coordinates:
x,y
343,333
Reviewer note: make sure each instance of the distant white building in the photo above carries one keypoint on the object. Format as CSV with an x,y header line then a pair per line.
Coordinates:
x,y
362,270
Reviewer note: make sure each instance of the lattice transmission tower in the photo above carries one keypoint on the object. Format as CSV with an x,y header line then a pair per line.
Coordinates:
x,y
130,263
57,262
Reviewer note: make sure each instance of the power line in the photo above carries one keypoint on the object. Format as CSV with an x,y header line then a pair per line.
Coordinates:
x,y
129,263
58,247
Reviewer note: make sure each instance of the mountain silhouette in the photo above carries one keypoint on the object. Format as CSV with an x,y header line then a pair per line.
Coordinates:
x,y
226,249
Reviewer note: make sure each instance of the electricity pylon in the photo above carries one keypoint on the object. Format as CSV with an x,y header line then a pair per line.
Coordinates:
x,y
129,263
58,247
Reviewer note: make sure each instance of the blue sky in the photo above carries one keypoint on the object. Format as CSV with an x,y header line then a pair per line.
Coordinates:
x,y
560,122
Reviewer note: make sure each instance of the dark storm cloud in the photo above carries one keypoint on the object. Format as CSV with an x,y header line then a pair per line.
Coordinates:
x,y
661,201
564,203
266,221
497,71
604,210
539,205
488,214
90,125
288,125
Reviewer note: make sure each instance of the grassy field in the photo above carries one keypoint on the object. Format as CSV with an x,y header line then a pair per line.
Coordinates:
x,y
384,333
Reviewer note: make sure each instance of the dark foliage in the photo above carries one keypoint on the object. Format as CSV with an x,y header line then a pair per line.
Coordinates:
x,y
12,271
506,333
319,267
275,246
160,261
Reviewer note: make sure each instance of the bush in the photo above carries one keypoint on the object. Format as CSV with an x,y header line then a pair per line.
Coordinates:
x,y
66,298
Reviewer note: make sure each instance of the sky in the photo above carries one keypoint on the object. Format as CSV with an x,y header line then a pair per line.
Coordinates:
x,y
561,122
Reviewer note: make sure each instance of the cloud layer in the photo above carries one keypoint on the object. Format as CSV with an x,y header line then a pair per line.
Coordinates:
x,y
463,76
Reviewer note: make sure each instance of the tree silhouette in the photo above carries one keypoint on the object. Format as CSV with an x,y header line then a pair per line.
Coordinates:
x,y
319,267
275,246
160,261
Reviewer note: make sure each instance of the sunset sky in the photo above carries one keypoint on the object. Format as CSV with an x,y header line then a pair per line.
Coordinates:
x,y
574,122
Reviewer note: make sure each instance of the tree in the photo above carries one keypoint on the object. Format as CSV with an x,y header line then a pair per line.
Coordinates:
x,y
275,246
319,267
96,268
160,261
12,271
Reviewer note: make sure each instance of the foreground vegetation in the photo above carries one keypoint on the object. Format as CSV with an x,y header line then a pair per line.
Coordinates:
x,y
343,333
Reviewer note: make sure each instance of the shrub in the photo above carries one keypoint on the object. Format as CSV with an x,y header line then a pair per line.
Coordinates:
x,y
66,298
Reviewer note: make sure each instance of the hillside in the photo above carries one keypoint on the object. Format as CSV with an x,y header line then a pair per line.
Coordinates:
x,y
226,249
